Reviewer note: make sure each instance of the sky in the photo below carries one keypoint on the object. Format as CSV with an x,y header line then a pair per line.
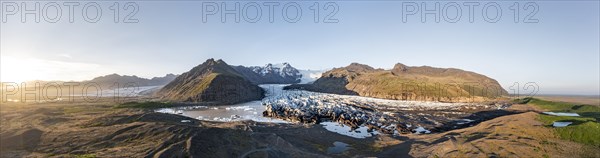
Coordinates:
x,y
560,52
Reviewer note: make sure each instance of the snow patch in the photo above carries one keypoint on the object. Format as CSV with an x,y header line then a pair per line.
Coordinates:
x,y
561,124
561,114
342,129
421,130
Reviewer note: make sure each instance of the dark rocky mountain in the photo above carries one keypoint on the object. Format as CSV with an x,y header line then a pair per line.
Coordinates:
x,y
101,83
211,81
270,74
110,81
162,80
407,83
125,80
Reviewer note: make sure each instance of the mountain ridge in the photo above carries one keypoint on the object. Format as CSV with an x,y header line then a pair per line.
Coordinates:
x,y
403,82
270,74
211,81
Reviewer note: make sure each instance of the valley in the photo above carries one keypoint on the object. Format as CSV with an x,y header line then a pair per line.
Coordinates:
x,y
218,110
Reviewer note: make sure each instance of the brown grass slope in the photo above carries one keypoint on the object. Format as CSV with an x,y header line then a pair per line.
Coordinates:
x,y
407,83
211,81
520,135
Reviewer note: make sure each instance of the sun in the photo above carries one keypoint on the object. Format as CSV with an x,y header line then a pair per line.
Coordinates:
x,y
19,70
14,69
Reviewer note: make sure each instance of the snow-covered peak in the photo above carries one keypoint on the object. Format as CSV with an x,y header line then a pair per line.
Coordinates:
x,y
281,69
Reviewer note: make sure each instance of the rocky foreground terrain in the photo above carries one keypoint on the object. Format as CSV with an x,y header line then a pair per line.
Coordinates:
x,y
403,82
103,129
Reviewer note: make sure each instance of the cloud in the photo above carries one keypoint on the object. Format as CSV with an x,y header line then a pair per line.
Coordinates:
x,y
65,56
